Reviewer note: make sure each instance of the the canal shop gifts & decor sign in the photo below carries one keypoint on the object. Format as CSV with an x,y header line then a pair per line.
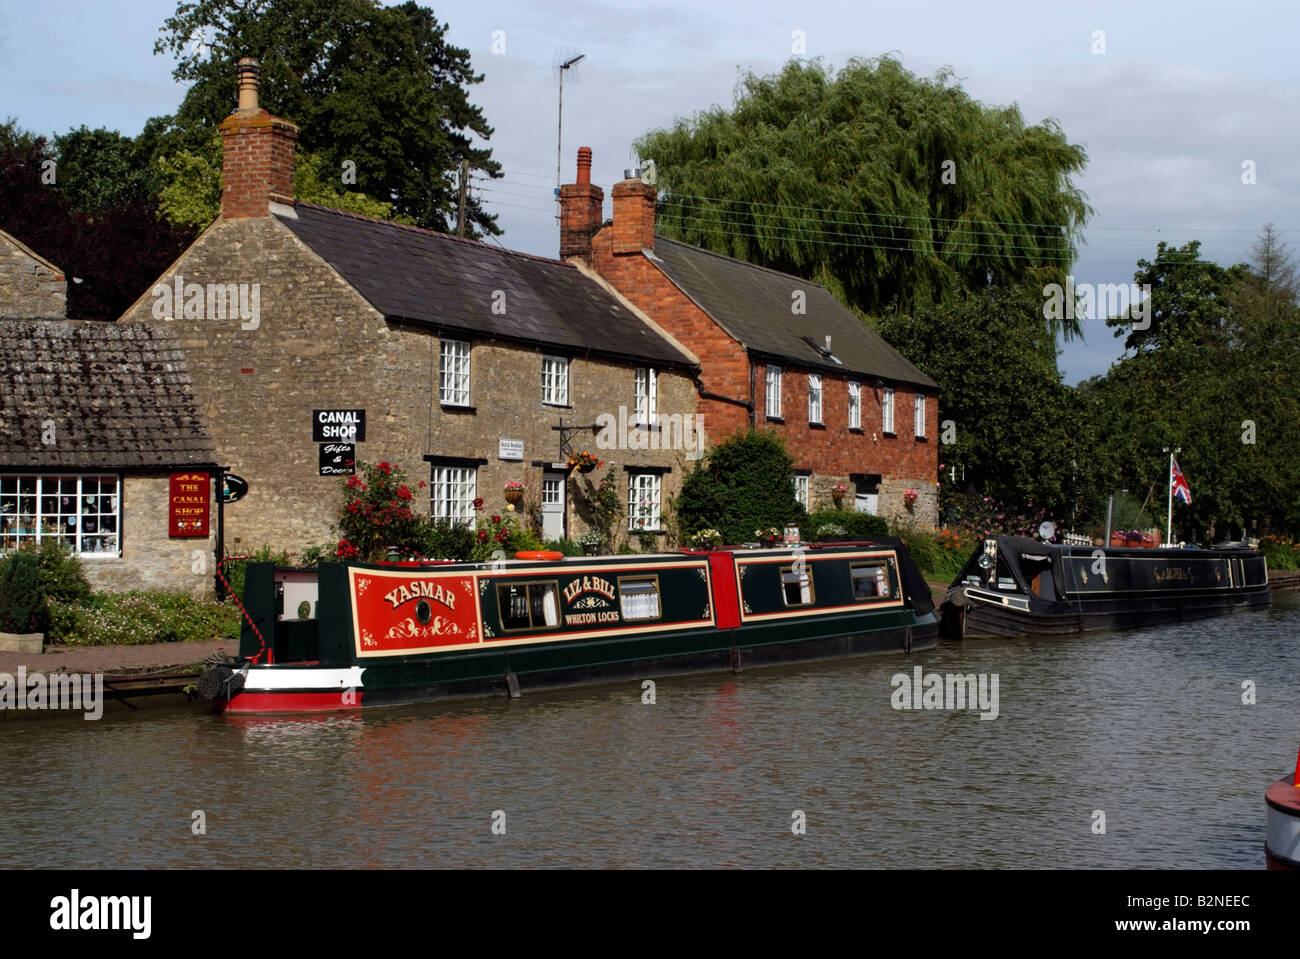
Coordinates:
x,y
189,504
338,432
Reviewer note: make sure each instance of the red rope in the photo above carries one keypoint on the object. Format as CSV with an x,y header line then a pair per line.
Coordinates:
x,y
231,593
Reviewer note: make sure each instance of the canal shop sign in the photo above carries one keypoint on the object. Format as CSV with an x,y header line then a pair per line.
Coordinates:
x,y
338,426
189,499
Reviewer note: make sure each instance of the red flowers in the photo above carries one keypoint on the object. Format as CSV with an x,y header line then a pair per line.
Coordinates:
x,y
346,550
385,468
404,492
482,536
478,504
496,520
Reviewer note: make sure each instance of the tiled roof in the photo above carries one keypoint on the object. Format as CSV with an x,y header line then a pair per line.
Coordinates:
x,y
753,304
118,395
450,283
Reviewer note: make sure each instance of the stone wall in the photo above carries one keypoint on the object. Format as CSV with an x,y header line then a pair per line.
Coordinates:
x,y
150,558
318,345
29,286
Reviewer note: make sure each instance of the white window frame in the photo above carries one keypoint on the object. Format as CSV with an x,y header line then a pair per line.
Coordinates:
x,y
887,410
801,489
646,399
453,372
555,380
918,416
773,383
17,526
855,406
815,398
452,491
644,502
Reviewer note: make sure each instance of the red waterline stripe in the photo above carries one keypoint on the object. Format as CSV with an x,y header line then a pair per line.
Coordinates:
x,y
246,702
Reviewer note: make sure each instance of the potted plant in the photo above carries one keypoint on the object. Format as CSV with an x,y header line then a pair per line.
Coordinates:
x,y
837,493
590,542
910,497
768,535
514,491
706,539
584,462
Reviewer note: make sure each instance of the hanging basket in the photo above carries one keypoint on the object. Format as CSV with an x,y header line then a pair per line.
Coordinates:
x,y
513,495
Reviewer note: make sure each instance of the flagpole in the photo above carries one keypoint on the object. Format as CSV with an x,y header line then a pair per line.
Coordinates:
x,y
1169,514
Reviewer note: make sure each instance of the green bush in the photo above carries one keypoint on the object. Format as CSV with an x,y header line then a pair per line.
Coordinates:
x,y
855,525
149,616
62,577
566,546
443,539
745,483
22,598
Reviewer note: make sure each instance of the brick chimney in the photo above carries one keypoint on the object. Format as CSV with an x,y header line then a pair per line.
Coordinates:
x,y
634,215
257,153
580,210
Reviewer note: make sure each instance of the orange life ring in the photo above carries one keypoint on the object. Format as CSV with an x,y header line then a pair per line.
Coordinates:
x,y
546,554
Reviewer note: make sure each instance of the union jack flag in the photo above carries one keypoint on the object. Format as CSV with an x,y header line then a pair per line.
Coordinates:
x,y
1180,488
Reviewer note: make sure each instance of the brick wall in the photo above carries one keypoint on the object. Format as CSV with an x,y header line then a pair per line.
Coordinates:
x,y
832,451
30,287
319,345
150,558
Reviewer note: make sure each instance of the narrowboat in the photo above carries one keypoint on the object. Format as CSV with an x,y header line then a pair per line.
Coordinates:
x,y
1012,586
352,635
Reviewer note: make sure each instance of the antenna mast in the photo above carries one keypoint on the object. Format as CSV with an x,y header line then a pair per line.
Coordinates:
x,y
564,60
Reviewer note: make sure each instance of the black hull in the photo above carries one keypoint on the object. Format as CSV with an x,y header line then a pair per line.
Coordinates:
x,y
980,620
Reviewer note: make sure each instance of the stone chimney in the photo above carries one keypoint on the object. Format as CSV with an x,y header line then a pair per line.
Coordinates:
x,y
580,210
634,214
257,153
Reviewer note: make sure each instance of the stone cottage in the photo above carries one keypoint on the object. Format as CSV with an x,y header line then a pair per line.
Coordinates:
x,y
316,337
776,351
102,445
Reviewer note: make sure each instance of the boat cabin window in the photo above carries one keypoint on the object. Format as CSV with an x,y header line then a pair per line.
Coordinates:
x,y
796,584
869,582
528,605
639,598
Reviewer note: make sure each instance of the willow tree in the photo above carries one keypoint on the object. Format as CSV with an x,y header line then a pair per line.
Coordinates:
x,y
892,190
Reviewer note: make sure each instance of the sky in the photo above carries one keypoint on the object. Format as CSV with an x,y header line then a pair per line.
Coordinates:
x,y
1170,100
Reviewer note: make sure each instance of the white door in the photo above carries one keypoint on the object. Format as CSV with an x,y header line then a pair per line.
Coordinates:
x,y
552,506
865,503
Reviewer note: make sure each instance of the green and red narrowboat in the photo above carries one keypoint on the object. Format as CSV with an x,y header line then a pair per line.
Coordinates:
x,y
351,635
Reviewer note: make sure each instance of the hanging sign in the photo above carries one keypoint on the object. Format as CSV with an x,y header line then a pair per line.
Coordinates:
x,y
338,459
236,488
338,426
189,499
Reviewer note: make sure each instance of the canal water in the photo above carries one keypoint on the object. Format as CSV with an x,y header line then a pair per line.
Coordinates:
x,y
1129,749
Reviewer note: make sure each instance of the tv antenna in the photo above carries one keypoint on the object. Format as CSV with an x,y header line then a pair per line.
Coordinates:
x,y
566,58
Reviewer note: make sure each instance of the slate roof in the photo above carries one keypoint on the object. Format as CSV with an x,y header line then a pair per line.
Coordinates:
x,y
119,394
752,303
446,282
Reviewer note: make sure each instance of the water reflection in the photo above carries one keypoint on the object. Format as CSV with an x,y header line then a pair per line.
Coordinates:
x,y
710,774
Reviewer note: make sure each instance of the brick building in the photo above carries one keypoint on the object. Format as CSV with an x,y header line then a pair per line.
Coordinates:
x,y
460,358
776,352
98,430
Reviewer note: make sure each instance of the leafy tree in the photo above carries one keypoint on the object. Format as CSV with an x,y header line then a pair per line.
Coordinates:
x,y
377,86
110,256
887,188
101,170
1013,432
743,484
191,195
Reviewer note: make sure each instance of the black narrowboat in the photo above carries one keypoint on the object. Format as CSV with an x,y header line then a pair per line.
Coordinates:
x,y
1012,586
351,635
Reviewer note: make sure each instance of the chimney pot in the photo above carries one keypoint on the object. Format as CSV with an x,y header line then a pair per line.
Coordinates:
x,y
584,165
248,83
634,174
